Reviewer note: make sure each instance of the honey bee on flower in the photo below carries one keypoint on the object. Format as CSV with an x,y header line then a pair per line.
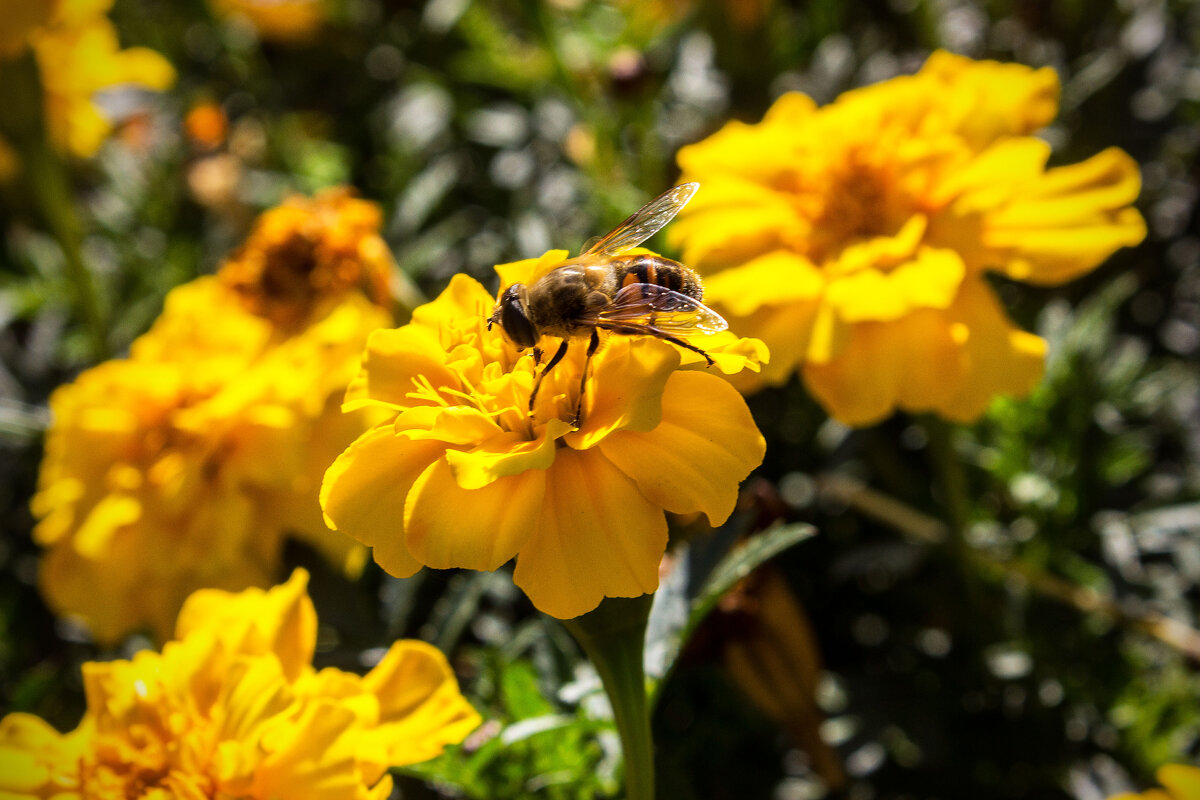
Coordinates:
x,y
486,455
610,288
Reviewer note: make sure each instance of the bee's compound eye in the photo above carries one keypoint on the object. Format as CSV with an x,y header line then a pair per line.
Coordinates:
x,y
514,319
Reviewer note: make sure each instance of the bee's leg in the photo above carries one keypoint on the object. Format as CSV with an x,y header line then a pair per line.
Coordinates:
x,y
664,336
687,346
537,383
537,356
587,362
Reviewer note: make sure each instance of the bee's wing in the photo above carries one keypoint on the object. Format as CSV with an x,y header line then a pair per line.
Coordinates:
x,y
645,222
658,309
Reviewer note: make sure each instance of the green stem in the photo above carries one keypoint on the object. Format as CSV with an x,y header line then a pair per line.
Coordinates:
x,y
613,637
51,190
952,480
955,496
22,122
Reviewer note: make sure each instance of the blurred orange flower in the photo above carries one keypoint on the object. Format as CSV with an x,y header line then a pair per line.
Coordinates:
x,y
188,463
206,125
233,708
306,254
276,20
854,239
461,474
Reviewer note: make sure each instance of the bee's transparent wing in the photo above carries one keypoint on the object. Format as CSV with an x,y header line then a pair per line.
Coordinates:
x,y
645,222
657,309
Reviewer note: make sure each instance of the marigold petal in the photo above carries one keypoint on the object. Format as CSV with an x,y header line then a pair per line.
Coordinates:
x,y
447,526
1001,358
785,331
420,707
730,354
528,270
914,362
365,490
281,621
505,454
733,220
776,278
988,99
1182,781
454,425
394,359
989,179
1069,220
597,536
930,280
145,67
624,390
694,460
464,301
312,756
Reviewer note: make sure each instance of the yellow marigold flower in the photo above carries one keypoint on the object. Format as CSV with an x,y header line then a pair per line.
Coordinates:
x,y
233,708
78,54
1179,782
277,20
461,475
853,239
307,253
187,464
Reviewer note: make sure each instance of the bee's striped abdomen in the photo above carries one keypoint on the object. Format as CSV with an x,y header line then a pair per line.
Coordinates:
x,y
658,271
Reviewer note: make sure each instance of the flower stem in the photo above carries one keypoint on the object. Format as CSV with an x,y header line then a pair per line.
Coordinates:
x,y
22,122
613,637
952,481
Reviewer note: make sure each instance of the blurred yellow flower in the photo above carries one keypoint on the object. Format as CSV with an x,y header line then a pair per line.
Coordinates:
x,y
854,239
276,20
188,463
78,54
234,708
1179,782
308,253
461,475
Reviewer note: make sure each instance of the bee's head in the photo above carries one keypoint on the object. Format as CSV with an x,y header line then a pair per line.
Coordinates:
x,y
513,319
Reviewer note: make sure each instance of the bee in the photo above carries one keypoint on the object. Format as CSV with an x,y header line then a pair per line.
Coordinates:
x,y
605,288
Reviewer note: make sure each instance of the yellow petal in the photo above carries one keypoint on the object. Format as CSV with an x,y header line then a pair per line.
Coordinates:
x,y
694,460
365,490
529,270
146,68
447,526
281,621
505,454
784,331
988,99
1068,221
463,302
313,756
777,278
732,220
989,178
1183,781
625,388
1000,358
597,536
420,707
395,358
930,280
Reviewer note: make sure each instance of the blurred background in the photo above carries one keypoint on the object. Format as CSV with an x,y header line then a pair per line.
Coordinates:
x,y
1056,658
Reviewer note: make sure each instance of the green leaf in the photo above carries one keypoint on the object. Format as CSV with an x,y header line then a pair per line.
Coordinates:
x,y
669,630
